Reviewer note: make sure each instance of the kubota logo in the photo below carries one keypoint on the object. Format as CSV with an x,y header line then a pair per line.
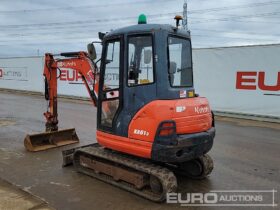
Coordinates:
x,y
250,80
201,109
66,64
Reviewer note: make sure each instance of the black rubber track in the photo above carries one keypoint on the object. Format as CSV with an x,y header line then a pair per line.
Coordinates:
x,y
166,176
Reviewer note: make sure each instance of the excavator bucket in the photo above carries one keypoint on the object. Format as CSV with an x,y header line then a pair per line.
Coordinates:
x,y
48,140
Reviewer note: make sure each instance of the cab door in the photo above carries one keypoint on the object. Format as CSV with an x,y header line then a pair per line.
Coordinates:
x,y
109,103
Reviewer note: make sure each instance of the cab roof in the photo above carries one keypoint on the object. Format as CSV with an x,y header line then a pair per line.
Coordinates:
x,y
144,28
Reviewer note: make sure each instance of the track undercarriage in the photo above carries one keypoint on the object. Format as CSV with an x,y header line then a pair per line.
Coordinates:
x,y
139,176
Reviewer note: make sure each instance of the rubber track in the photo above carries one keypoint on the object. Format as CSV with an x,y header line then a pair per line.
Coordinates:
x,y
208,165
166,176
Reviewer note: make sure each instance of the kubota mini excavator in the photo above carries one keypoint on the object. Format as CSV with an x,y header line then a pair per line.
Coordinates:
x,y
150,123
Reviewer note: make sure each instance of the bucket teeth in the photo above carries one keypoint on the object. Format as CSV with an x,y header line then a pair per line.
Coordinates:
x,y
48,140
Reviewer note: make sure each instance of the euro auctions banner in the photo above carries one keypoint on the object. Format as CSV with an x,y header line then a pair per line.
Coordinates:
x,y
26,74
240,79
236,79
22,73
70,83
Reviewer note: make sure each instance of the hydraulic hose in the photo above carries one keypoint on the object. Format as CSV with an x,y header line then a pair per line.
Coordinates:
x,y
47,96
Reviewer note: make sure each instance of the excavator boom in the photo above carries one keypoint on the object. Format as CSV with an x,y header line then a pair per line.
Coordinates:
x,y
53,137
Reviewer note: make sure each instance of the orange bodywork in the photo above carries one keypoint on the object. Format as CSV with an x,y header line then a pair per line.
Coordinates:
x,y
191,115
123,144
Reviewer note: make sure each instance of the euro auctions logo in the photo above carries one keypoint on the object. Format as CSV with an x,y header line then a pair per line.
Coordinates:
x,y
68,72
253,80
71,76
14,73
222,198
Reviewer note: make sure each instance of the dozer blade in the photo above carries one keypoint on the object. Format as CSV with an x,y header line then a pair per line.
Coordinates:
x,y
48,140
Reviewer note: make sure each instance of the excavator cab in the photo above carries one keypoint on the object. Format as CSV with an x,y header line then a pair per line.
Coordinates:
x,y
147,104
151,124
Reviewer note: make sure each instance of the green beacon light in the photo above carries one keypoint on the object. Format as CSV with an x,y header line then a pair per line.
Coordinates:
x,y
142,19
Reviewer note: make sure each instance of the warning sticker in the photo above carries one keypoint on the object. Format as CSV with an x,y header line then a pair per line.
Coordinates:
x,y
183,93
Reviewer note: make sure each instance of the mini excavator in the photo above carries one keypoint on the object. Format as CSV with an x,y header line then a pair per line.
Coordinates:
x,y
151,124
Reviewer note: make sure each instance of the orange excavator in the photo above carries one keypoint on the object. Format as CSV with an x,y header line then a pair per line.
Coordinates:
x,y
151,125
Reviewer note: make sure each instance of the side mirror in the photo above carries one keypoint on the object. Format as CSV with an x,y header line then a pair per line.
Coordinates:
x,y
172,68
91,51
147,56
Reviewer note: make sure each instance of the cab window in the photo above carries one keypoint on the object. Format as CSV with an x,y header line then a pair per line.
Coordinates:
x,y
140,60
180,62
111,84
112,66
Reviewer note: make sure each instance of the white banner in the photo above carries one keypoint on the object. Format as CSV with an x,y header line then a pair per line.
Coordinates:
x,y
240,79
22,73
237,79
27,74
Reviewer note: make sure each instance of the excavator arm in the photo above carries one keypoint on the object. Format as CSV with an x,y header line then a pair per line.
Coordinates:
x,y
78,61
82,63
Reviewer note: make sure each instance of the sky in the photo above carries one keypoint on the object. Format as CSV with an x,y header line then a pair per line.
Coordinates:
x,y
34,27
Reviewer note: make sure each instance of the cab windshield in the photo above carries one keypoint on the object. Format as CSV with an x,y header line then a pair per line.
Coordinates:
x,y
180,62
